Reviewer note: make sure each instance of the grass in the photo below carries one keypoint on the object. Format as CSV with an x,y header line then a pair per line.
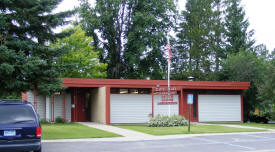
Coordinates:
x,y
195,129
260,125
72,131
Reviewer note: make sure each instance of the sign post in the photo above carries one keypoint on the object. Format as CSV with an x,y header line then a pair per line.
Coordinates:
x,y
189,102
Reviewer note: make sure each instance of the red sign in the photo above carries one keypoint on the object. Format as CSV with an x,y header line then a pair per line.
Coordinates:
x,y
167,98
166,92
166,95
167,103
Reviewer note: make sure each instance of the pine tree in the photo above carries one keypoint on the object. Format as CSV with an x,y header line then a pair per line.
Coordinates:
x,y
130,35
217,44
237,36
26,60
194,38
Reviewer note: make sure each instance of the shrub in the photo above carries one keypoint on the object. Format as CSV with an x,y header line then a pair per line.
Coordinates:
x,y
261,118
272,116
43,121
58,120
166,121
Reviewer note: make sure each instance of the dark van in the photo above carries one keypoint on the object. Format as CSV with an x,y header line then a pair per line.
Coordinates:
x,y
20,129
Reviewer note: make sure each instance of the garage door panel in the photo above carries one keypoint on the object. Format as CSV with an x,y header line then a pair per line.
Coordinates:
x,y
130,108
219,108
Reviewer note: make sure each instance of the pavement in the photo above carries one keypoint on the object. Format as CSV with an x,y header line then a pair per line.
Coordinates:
x,y
255,142
130,135
239,126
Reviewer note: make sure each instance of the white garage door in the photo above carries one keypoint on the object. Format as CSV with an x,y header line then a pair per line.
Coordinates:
x,y
130,108
219,108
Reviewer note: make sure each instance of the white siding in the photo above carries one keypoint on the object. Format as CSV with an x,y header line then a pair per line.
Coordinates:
x,y
58,106
68,107
219,108
41,106
41,103
164,109
130,108
30,97
48,108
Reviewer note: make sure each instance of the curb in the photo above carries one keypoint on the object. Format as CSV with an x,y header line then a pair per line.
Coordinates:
x,y
164,137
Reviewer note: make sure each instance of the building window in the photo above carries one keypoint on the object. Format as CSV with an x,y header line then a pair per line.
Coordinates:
x,y
130,91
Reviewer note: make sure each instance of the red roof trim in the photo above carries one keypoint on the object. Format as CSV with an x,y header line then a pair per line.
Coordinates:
x,y
128,83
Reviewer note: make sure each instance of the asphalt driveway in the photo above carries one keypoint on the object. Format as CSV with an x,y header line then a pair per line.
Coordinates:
x,y
258,142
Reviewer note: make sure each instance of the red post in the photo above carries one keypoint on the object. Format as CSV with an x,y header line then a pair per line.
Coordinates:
x,y
153,102
52,109
35,100
181,103
108,120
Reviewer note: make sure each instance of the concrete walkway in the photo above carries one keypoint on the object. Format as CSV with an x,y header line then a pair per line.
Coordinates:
x,y
123,132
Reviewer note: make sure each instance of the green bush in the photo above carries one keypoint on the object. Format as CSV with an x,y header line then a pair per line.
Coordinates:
x,y
58,120
272,116
43,121
166,121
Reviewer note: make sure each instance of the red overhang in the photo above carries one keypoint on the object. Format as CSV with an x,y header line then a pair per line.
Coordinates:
x,y
129,83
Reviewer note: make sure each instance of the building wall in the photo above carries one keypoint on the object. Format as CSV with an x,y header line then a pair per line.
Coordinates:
x,y
58,106
44,106
98,105
41,103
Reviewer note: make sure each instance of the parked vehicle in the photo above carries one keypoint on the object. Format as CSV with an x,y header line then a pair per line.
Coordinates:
x,y
20,129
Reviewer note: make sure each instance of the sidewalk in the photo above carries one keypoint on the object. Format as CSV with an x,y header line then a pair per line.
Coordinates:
x,y
123,132
130,135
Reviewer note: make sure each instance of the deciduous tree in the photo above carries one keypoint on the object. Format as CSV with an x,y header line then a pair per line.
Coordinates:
x,y
130,35
80,61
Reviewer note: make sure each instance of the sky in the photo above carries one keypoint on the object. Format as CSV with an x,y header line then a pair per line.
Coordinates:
x,y
259,13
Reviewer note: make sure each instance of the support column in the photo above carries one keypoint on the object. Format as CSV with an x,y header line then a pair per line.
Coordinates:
x,y
52,109
153,102
108,109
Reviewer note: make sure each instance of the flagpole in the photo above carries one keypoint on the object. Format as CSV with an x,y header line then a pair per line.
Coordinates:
x,y
168,76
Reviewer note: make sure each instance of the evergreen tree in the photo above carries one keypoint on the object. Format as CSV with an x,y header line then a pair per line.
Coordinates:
x,y
26,61
194,38
130,35
217,44
237,36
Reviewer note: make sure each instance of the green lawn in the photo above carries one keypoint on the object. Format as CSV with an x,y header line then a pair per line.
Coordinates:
x,y
195,129
260,125
72,131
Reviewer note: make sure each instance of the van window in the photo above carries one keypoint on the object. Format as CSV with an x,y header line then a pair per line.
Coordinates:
x,y
16,114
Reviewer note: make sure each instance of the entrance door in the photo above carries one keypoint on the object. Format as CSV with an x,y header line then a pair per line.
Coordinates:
x,y
79,101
